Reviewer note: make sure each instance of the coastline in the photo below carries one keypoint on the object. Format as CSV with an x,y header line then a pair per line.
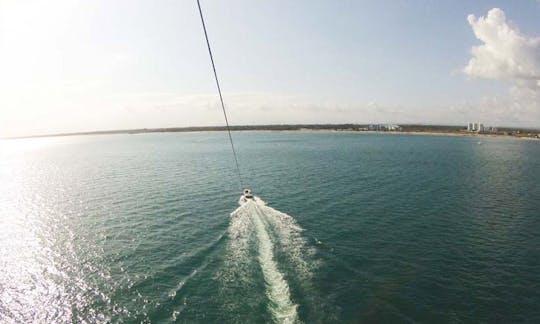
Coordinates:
x,y
467,135
432,130
472,135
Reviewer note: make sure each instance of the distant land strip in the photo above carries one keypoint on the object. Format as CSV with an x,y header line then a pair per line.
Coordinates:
x,y
403,128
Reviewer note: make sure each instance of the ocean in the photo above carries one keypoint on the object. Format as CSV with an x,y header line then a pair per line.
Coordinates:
x,y
356,228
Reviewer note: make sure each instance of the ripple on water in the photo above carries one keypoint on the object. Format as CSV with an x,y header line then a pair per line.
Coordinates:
x,y
385,228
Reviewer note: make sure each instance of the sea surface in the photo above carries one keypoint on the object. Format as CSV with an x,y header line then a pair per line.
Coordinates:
x,y
357,228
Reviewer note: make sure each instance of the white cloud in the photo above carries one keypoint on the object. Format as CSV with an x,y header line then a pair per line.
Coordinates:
x,y
256,108
508,55
250,108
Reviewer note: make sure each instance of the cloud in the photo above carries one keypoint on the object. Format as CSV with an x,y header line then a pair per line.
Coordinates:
x,y
508,55
250,108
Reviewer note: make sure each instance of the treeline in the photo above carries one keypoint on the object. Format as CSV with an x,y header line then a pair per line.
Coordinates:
x,y
285,127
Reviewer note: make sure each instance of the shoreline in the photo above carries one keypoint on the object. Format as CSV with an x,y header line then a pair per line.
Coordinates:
x,y
458,134
329,131
284,128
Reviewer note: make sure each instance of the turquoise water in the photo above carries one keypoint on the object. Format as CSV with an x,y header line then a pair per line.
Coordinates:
x,y
357,228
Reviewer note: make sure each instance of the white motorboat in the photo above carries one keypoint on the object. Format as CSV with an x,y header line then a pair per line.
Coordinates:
x,y
248,196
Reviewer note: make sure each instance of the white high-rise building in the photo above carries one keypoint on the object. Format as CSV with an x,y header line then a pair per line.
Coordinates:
x,y
478,127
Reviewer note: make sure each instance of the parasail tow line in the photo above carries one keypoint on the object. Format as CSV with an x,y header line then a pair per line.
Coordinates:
x,y
219,91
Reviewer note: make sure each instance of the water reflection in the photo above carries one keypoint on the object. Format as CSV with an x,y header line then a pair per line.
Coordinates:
x,y
29,291
37,254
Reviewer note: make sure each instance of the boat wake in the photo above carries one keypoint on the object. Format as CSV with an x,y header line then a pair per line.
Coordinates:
x,y
277,289
259,232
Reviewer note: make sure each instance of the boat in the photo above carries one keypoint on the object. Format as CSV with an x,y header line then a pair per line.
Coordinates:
x,y
248,196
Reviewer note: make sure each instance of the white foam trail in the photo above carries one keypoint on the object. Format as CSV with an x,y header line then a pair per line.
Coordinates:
x,y
240,232
261,230
281,307
291,241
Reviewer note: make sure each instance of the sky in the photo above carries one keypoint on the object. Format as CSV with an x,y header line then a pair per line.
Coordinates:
x,y
74,65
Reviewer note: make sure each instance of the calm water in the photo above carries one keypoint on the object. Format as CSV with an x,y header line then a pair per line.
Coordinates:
x,y
376,228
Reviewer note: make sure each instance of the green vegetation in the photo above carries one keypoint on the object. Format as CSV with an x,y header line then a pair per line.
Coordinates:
x,y
404,128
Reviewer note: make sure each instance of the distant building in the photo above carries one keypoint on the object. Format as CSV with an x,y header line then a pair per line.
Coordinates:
x,y
491,129
479,128
384,127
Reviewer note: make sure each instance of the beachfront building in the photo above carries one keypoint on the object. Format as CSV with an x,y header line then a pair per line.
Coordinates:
x,y
476,127
384,127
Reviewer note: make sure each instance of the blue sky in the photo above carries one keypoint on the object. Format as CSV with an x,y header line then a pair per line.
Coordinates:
x,y
95,65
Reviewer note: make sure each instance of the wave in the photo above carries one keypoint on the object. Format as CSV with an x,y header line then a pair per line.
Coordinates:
x,y
281,307
289,236
266,249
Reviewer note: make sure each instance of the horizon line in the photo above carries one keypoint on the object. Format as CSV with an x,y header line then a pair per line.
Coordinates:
x,y
276,127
